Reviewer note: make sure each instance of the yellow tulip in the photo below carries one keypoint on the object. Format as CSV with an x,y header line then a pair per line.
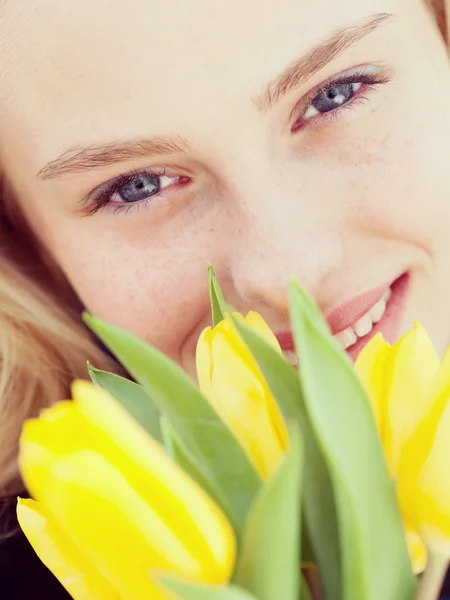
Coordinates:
x,y
410,391
110,507
231,380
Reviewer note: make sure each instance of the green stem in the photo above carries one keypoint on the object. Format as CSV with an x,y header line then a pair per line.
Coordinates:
x,y
431,581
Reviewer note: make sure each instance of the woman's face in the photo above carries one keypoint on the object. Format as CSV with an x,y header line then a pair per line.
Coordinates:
x,y
145,138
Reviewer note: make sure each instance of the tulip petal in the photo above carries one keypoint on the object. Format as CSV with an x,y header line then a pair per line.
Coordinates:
x,y
96,422
417,551
243,400
228,335
204,360
441,385
61,556
255,321
371,367
412,367
59,429
429,499
418,449
119,532
155,476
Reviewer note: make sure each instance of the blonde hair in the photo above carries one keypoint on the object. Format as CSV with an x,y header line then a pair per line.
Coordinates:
x,y
43,344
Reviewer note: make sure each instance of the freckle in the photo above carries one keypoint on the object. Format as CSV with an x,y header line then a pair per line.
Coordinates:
x,y
211,229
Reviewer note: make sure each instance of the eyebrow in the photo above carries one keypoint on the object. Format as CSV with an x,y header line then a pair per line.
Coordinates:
x,y
315,60
99,156
80,159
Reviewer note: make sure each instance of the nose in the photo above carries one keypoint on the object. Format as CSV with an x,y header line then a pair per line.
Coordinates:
x,y
284,234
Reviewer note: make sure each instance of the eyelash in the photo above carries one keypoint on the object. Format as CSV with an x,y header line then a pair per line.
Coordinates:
x,y
369,80
102,199
125,208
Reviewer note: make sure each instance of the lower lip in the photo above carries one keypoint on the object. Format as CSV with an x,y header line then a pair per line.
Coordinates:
x,y
390,324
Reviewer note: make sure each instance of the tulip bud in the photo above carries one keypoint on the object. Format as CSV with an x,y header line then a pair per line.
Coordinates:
x,y
410,391
111,507
231,380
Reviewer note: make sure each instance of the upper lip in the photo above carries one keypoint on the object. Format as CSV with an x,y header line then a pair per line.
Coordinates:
x,y
343,316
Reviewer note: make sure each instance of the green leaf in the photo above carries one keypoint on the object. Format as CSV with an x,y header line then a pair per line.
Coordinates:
x,y
318,497
167,436
218,304
180,455
375,561
132,396
187,591
217,454
269,563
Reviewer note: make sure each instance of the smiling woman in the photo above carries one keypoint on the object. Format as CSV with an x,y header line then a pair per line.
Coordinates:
x,y
140,140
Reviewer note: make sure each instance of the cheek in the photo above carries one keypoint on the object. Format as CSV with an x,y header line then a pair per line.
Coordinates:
x,y
396,181
149,285
409,193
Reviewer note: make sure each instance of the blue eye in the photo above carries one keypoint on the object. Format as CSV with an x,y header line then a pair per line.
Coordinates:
x,y
342,91
131,189
139,188
333,97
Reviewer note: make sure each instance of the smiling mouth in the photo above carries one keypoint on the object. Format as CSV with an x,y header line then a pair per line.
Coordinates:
x,y
354,324
365,324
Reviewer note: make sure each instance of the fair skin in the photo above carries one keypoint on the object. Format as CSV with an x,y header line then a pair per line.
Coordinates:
x,y
346,200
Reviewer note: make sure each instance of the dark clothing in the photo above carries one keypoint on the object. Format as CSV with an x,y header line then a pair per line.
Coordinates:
x,y
24,577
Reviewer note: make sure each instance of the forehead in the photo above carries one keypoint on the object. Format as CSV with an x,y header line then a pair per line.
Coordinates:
x,y
92,67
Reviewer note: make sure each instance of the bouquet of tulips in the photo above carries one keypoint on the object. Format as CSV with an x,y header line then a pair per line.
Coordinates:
x,y
267,483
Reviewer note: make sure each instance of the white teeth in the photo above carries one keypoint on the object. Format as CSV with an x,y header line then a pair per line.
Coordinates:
x,y
346,338
377,312
365,324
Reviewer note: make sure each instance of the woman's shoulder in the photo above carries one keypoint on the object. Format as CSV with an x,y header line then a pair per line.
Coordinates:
x,y
22,575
